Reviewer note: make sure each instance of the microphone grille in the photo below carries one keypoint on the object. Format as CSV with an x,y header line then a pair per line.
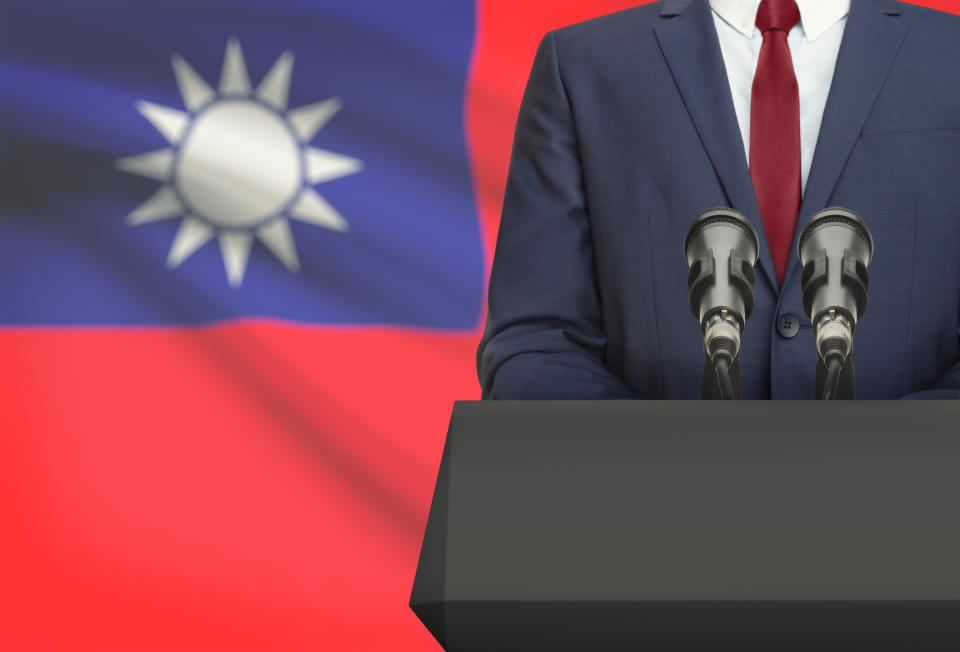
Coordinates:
x,y
722,215
836,215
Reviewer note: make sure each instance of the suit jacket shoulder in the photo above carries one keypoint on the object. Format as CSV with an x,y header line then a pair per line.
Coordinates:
x,y
922,89
608,36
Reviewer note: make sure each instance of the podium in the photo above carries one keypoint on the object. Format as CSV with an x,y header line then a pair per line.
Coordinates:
x,y
649,525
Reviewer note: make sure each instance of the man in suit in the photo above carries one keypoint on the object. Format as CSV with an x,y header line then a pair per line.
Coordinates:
x,y
634,123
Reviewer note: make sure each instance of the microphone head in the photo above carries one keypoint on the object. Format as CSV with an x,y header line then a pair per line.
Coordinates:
x,y
721,248
835,248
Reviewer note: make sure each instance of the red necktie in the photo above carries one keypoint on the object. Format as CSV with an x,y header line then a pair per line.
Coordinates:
x,y
775,130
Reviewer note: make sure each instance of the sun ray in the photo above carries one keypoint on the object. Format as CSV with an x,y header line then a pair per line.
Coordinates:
x,y
191,235
235,249
275,87
157,164
326,166
276,236
234,79
162,205
169,122
309,119
314,209
194,89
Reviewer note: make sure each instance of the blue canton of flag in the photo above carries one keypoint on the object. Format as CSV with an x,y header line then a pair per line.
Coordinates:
x,y
183,163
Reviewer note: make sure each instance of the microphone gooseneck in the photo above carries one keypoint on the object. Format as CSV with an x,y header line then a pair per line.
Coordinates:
x,y
721,248
727,391
835,248
832,383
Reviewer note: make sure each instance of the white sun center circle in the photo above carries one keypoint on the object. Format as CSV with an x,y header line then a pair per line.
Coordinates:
x,y
239,165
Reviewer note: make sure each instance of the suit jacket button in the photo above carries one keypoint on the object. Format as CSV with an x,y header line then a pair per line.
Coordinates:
x,y
788,325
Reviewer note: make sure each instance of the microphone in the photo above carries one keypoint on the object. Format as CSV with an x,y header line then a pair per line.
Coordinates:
x,y
721,248
835,248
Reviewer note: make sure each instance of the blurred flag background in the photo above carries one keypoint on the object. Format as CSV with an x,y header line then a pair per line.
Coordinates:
x,y
243,253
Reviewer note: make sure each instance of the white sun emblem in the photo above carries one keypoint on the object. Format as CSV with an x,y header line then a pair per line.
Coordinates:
x,y
239,164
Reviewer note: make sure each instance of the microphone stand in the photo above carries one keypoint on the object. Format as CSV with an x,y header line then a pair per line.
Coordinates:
x,y
710,388
846,384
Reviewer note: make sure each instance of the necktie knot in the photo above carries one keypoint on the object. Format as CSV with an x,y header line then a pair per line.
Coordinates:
x,y
777,14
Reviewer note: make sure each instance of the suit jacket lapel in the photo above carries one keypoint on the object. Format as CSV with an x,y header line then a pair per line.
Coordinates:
x,y
688,39
871,39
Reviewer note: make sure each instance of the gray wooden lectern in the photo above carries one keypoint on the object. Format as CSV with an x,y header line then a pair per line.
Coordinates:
x,y
646,525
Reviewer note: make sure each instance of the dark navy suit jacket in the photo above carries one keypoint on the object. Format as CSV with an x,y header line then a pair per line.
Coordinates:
x,y
627,131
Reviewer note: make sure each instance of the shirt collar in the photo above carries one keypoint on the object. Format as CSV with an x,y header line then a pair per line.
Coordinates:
x,y
816,16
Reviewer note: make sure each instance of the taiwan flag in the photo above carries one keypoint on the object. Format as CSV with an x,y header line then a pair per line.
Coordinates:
x,y
244,247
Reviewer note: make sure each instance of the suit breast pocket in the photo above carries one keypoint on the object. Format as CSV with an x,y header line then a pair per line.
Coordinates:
x,y
907,164
873,130
938,114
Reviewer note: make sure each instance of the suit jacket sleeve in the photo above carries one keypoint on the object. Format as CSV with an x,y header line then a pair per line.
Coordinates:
x,y
544,335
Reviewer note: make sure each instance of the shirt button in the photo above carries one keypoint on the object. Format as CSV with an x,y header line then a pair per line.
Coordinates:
x,y
788,325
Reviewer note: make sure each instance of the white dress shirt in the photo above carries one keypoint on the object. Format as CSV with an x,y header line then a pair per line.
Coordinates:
x,y
814,44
